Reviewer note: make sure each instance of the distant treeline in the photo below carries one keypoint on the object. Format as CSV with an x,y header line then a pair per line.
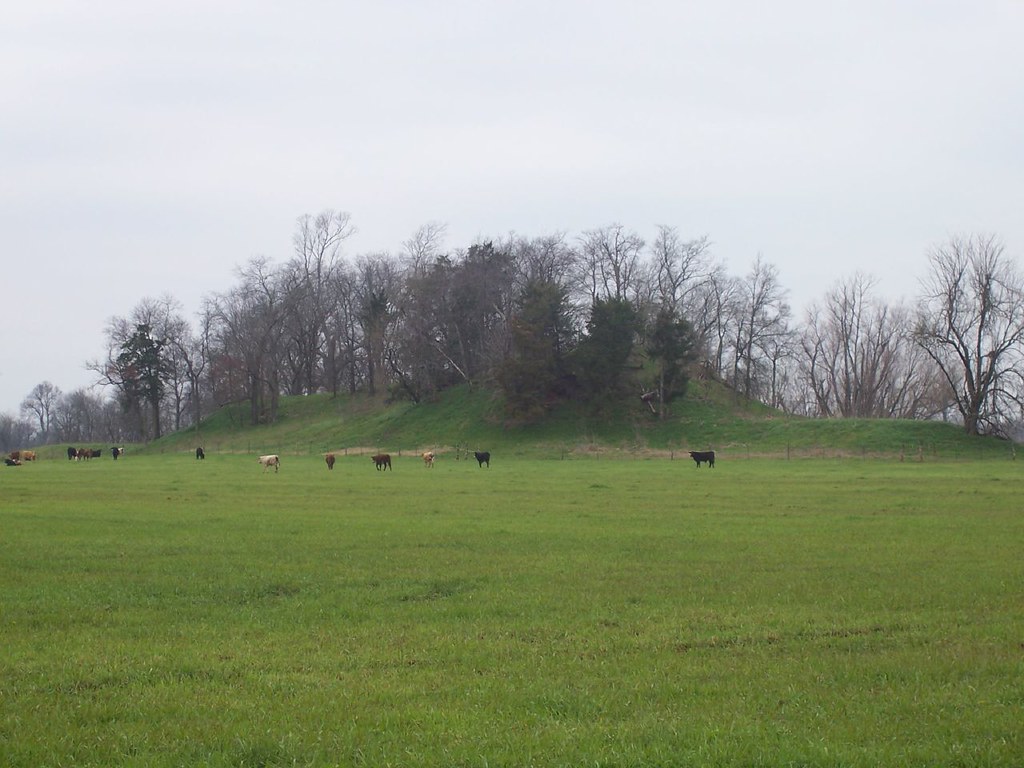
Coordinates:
x,y
593,318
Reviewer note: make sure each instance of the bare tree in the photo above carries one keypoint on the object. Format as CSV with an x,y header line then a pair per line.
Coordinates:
x,y
247,332
309,277
455,314
610,264
679,267
418,365
482,308
79,416
415,364
376,290
188,354
971,324
858,357
542,260
112,426
761,321
41,404
425,245
712,309
14,433
342,335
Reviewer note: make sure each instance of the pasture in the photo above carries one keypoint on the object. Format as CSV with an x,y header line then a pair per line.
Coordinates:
x,y
162,611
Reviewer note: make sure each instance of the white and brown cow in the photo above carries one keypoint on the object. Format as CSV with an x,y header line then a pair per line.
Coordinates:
x,y
270,460
428,459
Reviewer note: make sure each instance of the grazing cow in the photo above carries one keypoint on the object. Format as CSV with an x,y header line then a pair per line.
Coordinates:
x,y
382,461
271,460
14,455
72,453
200,453
699,456
12,462
329,458
96,453
428,459
28,455
483,457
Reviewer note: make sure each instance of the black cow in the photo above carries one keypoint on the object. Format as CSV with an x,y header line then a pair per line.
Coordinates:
x,y
72,453
699,456
200,453
483,457
12,462
115,452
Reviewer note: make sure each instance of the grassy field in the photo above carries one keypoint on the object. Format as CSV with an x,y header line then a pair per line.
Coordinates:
x,y
160,611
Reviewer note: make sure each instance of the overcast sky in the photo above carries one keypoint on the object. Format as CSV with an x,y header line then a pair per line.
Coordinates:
x,y
151,147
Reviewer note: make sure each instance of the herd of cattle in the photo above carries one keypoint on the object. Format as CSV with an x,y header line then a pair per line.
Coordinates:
x,y
382,461
85,454
15,458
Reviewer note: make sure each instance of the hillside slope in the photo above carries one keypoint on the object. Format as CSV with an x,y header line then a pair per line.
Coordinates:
x,y
468,419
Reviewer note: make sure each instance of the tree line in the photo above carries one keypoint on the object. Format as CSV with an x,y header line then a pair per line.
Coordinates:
x,y
592,318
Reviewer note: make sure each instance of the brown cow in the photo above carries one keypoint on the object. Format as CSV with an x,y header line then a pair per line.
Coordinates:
x,y
382,460
14,455
329,458
428,459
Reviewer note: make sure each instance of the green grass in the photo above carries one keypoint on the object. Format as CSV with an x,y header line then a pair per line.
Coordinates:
x,y
163,611
709,417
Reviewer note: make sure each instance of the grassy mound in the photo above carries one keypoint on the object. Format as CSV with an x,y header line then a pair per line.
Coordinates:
x,y
465,419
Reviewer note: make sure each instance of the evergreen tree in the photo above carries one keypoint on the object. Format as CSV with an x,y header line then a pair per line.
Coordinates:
x,y
531,375
672,347
600,359
142,370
